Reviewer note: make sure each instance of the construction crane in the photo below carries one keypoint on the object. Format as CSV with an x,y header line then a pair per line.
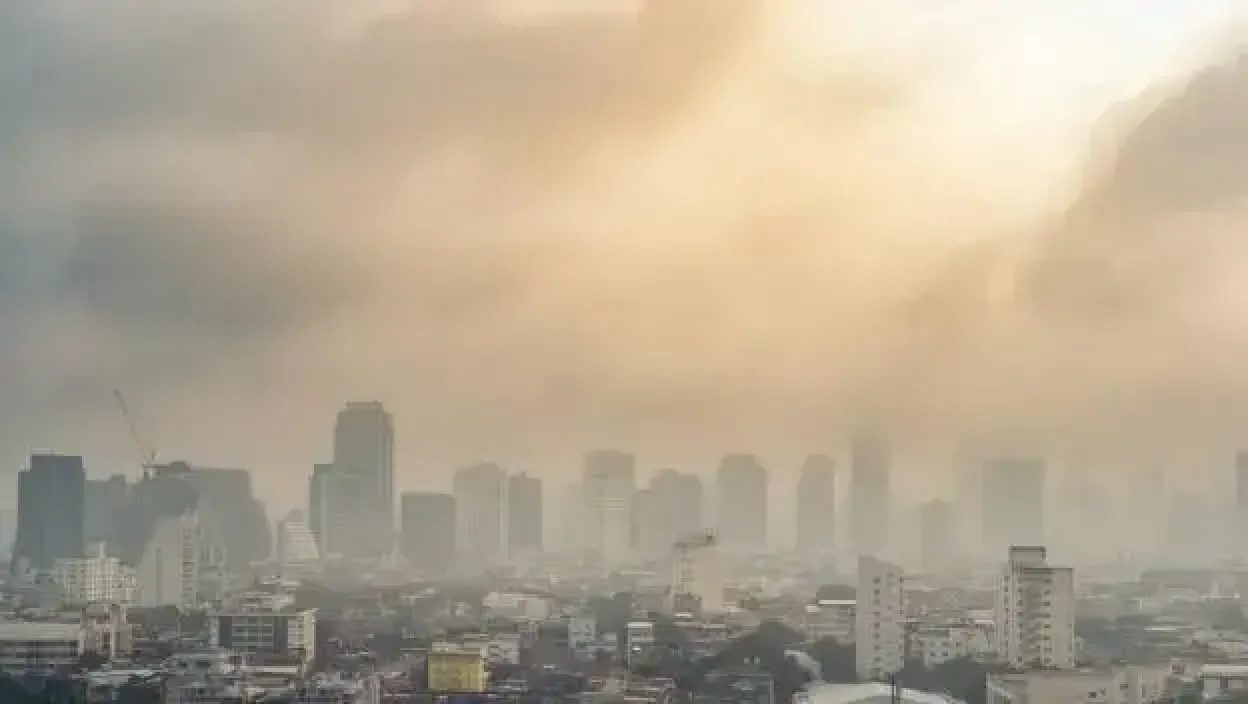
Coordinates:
x,y
147,454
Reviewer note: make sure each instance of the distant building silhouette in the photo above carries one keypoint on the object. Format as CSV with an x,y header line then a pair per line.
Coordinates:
x,y
1013,503
870,510
428,530
742,519
480,495
524,514
50,511
364,448
815,506
609,480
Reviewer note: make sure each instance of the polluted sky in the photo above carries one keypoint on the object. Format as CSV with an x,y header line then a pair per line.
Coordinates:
x,y
685,229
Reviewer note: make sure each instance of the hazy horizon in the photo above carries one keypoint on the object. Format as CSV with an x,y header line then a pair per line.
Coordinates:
x,y
709,227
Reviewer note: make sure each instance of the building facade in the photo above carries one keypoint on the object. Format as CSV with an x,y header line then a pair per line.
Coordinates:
x,y
480,508
364,449
609,482
879,619
50,512
1035,612
428,530
524,514
816,506
742,519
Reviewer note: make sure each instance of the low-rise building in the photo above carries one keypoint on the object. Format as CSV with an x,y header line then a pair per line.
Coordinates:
x,y
96,579
255,629
456,668
1120,685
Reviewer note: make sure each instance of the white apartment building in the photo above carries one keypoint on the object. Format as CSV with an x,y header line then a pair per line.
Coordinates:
x,y
1035,612
698,571
99,579
610,486
170,569
879,619
296,544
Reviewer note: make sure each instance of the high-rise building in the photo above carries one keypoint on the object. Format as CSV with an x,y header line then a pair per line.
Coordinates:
x,y
610,483
668,511
230,514
524,514
320,478
50,511
106,509
742,519
169,573
480,505
344,496
296,546
816,506
1013,503
937,529
428,533
1035,612
364,448
879,619
869,495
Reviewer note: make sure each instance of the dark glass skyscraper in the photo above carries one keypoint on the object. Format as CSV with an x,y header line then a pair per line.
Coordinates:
x,y
50,511
364,448
524,514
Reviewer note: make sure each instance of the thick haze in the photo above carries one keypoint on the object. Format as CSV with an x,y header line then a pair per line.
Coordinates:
x,y
716,225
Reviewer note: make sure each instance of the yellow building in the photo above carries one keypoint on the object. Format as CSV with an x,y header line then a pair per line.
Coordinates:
x,y
453,668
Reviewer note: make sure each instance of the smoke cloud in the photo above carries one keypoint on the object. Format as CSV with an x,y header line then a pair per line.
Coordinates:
x,y
686,229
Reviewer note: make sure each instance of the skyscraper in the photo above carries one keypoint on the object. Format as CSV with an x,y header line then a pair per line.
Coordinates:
x,y
742,503
480,496
937,529
668,511
106,507
815,506
610,485
524,514
316,497
364,447
428,533
869,495
879,621
1013,503
50,511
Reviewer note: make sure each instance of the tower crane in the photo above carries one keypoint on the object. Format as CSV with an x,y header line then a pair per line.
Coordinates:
x,y
147,454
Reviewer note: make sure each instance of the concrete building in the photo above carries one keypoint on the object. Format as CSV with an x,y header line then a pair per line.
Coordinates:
x,y
870,495
296,543
169,573
1035,612
41,647
453,668
107,512
1118,685
364,449
480,508
98,579
317,483
816,506
50,512
344,496
742,511
668,511
698,575
879,619
610,485
257,628
525,522
427,536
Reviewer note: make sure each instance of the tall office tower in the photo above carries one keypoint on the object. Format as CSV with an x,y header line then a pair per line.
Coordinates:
x,y
610,481
480,503
524,514
936,535
364,447
316,497
344,497
50,511
106,507
296,546
669,510
428,533
575,513
879,619
169,571
1035,612
1013,503
816,506
869,495
230,514
742,515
